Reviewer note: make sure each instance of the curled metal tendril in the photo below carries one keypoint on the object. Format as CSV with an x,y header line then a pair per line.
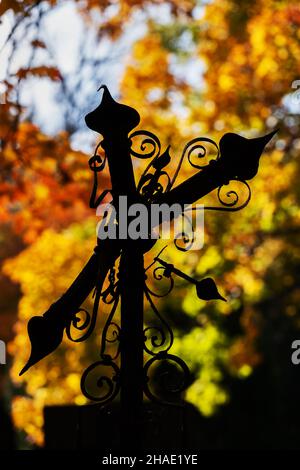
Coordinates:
x,y
160,341
157,338
232,202
112,291
231,205
98,386
96,162
115,333
88,324
233,198
187,241
85,325
189,149
202,153
187,238
169,387
149,140
159,273
151,187
151,184
109,295
95,386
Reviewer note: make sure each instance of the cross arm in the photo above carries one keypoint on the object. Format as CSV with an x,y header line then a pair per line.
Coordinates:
x,y
239,160
46,332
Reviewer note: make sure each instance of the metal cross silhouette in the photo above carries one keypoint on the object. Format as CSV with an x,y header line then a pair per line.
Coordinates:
x,y
237,158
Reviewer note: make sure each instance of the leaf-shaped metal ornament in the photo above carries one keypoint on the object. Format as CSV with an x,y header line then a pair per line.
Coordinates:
x,y
207,290
163,160
45,335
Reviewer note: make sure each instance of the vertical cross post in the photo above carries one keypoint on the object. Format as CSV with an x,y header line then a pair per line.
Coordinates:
x,y
132,343
114,121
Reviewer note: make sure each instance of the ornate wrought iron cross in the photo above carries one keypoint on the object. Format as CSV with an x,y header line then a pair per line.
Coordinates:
x,y
121,260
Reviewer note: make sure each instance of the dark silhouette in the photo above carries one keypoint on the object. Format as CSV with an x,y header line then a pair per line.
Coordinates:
x,y
7,432
236,159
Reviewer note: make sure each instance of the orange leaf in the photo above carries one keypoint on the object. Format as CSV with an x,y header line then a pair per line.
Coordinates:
x,y
6,5
38,43
41,71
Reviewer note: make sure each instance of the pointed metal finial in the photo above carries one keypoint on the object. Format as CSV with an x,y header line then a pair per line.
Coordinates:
x,y
111,117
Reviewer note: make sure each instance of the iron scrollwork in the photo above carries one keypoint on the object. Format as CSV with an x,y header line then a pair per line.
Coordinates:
x,y
200,153
234,161
107,386
80,324
95,384
161,339
172,382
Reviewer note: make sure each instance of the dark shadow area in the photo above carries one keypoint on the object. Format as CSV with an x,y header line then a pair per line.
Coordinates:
x,y
262,414
7,433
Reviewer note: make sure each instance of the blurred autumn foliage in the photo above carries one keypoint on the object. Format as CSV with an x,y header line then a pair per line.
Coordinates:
x,y
196,68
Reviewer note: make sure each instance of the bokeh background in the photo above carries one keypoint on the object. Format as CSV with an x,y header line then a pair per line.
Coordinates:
x,y
191,68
